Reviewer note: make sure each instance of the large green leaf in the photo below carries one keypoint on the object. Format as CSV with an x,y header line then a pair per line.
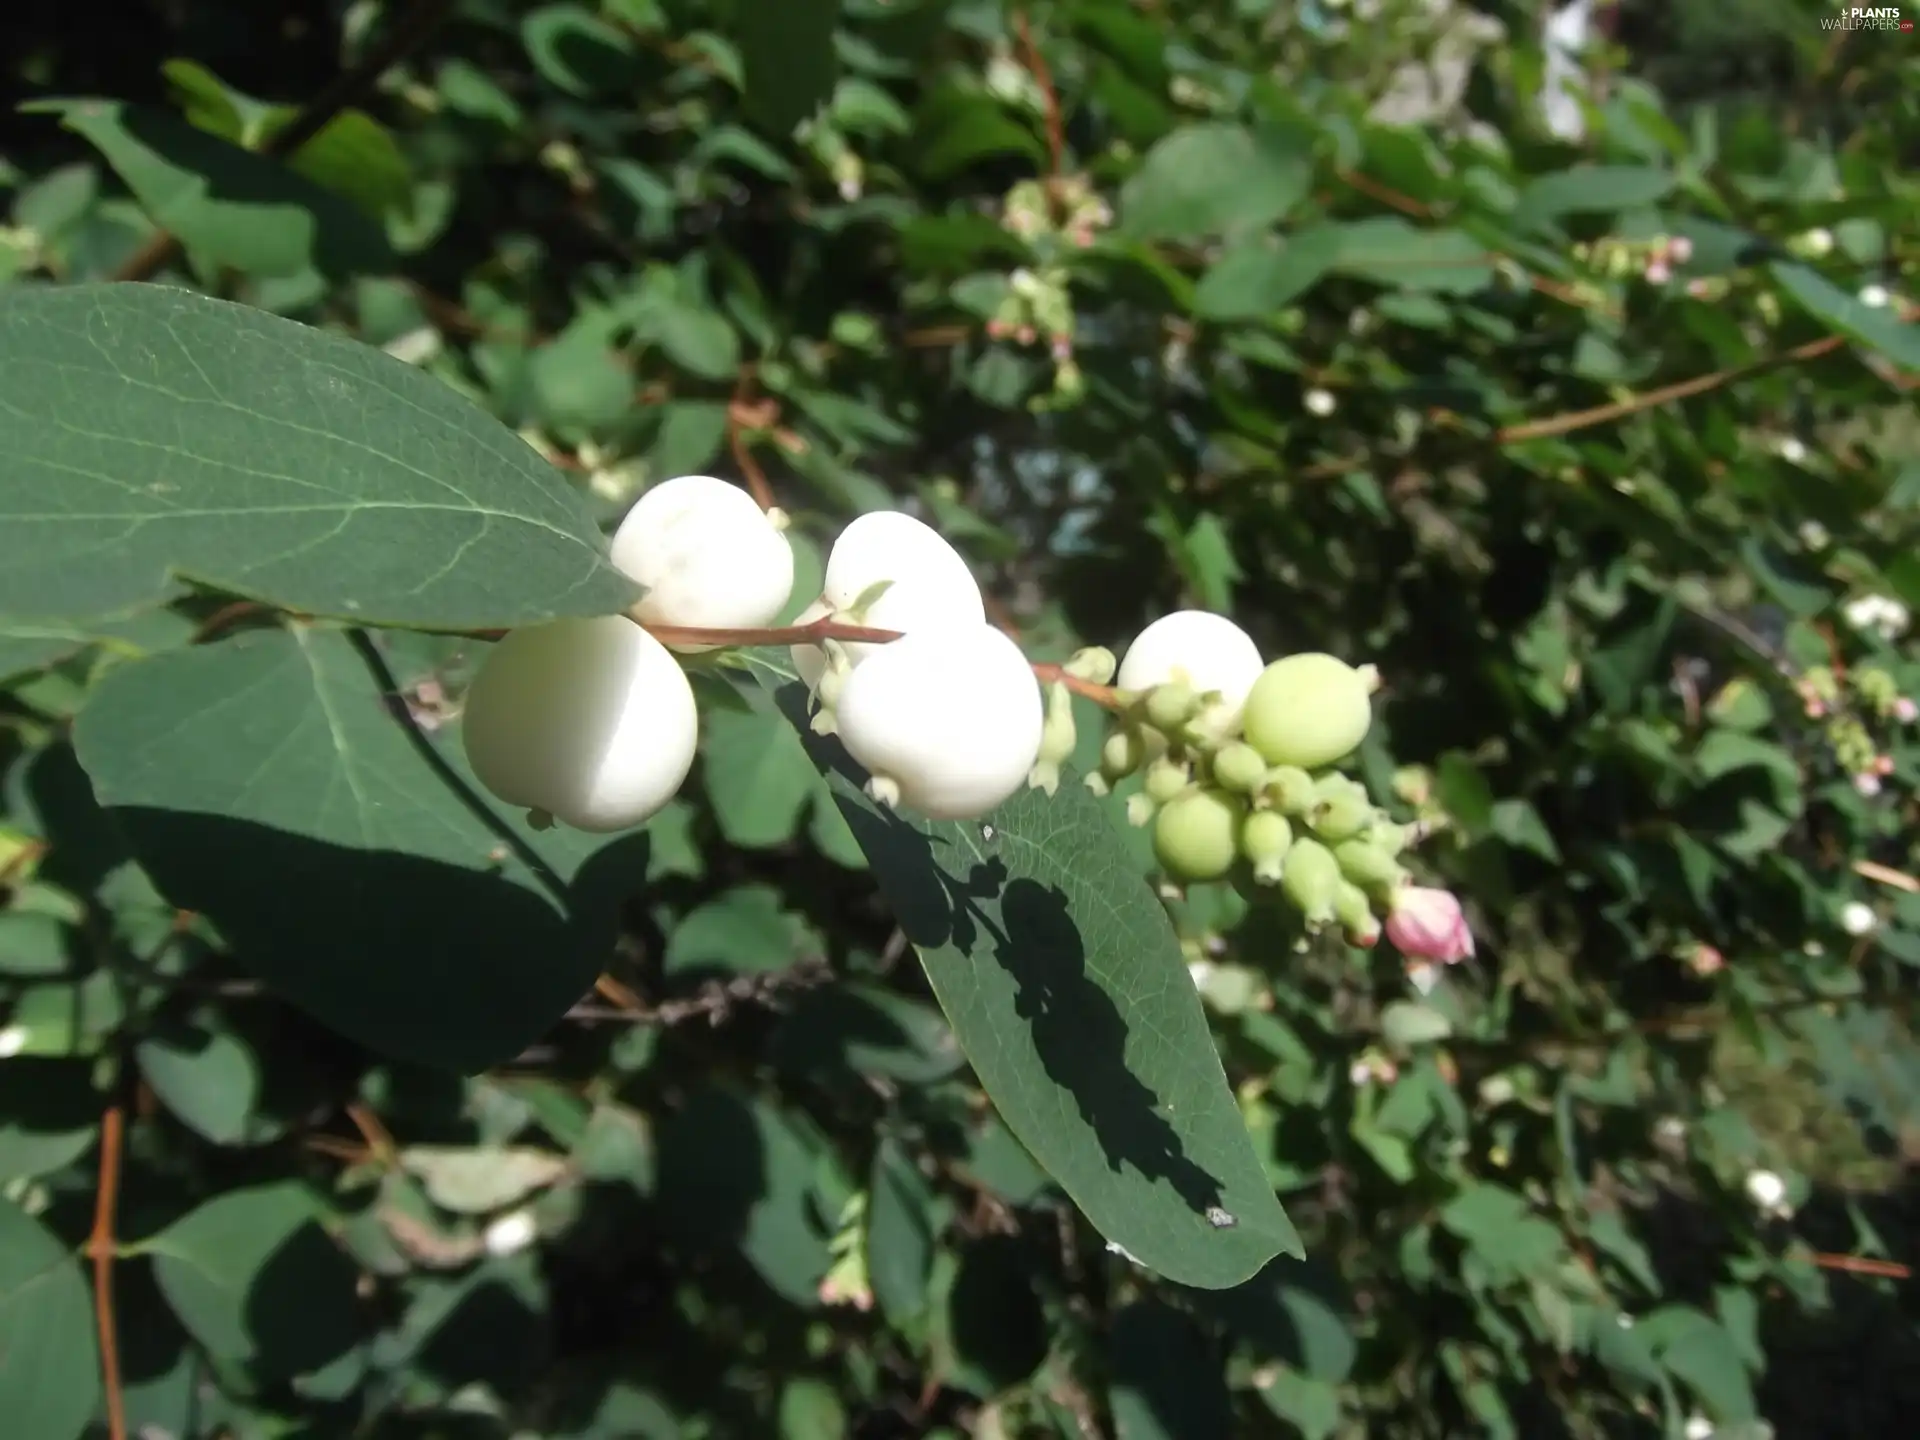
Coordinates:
x,y
255,1278
266,783
228,205
49,1360
1206,179
1064,982
148,432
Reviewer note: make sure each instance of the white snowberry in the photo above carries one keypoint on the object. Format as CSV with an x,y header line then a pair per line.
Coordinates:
x,y
590,721
1766,1189
1857,918
930,584
1198,648
708,555
947,720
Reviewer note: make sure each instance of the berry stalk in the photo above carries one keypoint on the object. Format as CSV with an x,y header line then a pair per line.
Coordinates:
x,y
816,631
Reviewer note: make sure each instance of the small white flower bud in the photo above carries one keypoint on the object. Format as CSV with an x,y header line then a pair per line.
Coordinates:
x,y
1320,402
1857,918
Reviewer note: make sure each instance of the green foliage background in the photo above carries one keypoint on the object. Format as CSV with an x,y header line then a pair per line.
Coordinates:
x,y
283,993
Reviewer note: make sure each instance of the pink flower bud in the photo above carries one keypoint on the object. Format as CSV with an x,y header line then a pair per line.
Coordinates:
x,y
1658,273
1883,765
999,329
1815,709
1700,287
1025,335
1705,960
1905,711
1867,783
1428,924
1680,250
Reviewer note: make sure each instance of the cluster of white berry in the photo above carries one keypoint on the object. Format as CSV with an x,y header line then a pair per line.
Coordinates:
x,y
592,722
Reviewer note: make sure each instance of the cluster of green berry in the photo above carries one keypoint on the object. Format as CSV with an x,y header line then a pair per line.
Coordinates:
x,y
1240,785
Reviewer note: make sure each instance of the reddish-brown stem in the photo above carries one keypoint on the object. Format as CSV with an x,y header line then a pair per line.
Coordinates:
x,y
743,415
809,634
1042,77
1860,1265
819,630
1103,695
100,1247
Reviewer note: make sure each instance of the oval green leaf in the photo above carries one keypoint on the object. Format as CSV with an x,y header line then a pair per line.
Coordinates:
x,y
49,1360
1064,983
348,858
147,432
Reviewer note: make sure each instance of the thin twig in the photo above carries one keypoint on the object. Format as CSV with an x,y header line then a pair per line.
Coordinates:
x,y
744,414
1665,395
413,29
714,1001
1049,98
1860,1265
1886,875
100,1248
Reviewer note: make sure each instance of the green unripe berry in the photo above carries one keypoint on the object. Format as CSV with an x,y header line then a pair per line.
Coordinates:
x,y
1196,837
1308,710
1239,767
1058,736
1265,839
1367,865
1166,779
1122,753
1171,705
1311,880
1341,818
1388,838
1351,908
1290,790
1140,810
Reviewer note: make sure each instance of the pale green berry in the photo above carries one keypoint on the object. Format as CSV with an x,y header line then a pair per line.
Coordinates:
x,y
1095,664
1389,838
1341,817
1290,790
1057,739
1264,840
1171,705
1239,767
1196,836
1122,753
1140,810
1352,908
1308,710
1311,880
1369,866
1165,779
